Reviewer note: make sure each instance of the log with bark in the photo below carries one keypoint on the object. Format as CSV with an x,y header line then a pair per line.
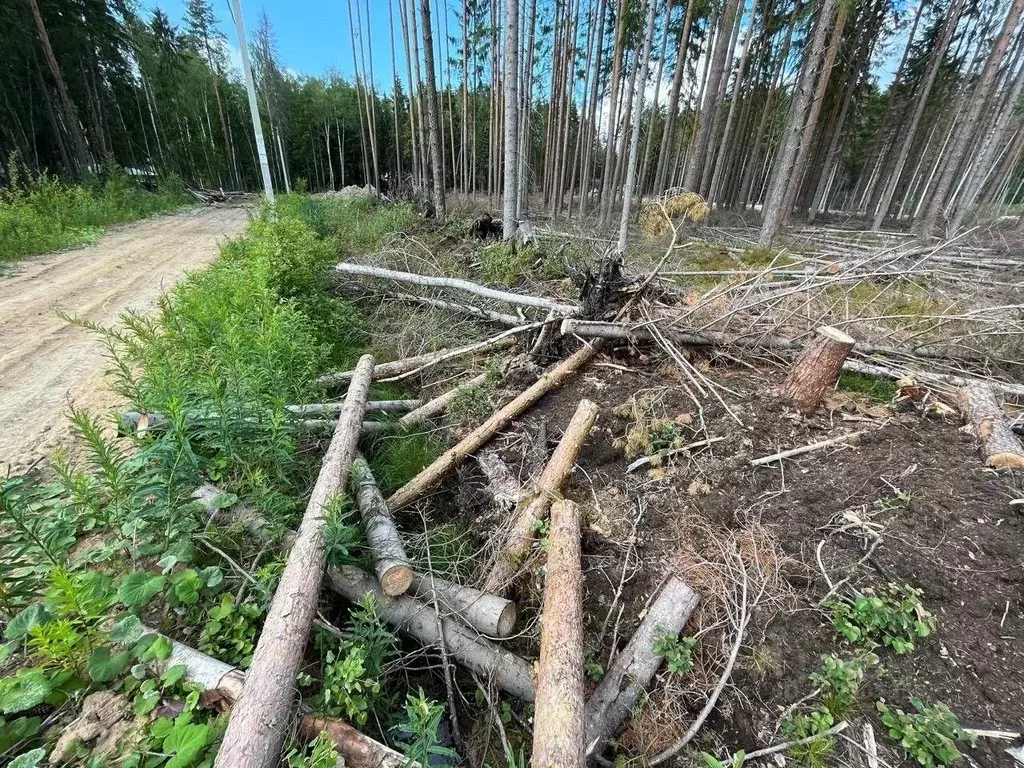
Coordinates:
x,y
479,437
514,547
457,284
225,683
507,671
616,696
817,370
558,710
987,420
259,722
382,538
491,615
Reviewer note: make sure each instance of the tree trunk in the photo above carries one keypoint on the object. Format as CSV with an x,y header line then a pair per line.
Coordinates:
x,y
491,615
391,564
260,720
939,195
72,125
507,671
774,211
999,446
617,695
923,92
817,369
433,118
558,710
634,143
479,437
516,544
511,185
672,113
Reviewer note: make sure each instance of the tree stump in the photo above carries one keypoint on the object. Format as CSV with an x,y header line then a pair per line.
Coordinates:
x,y
981,410
558,708
817,369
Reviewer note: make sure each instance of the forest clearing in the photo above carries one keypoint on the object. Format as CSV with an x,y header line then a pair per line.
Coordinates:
x,y
596,382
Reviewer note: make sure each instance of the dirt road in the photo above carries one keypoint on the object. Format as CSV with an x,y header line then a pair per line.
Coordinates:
x,y
45,364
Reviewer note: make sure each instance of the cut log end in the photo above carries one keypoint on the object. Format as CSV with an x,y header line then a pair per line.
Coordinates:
x,y
395,580
1005,461
507,620
984,414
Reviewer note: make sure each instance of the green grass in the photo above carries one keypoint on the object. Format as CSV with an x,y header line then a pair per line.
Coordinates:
x,y
397,460
356,225
41,213
763,257
872,387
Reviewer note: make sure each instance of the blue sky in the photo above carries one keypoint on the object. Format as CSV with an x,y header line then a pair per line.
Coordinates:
x,y
312,35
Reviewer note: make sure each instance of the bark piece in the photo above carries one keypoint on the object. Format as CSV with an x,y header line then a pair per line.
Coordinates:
x,y
617,694
558,711
479,437
490,615
549,487
390,561
457,284
259,721
817,370
507,671
999,446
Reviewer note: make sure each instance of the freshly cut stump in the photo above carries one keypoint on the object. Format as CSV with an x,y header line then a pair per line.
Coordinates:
x,y
1001,448
558,709
817,370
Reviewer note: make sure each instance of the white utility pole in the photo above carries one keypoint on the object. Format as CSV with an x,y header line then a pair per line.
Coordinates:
x,y
254,110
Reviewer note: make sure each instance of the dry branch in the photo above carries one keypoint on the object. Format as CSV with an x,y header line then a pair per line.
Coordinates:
x,y
479,437
456,284
988,422
258,725
491,615
382,538
463,309
806,448
616,696
667,453
558,710
817,370
399,367
550,484
428,410
507,671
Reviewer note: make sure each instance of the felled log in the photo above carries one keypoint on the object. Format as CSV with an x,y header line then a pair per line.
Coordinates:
x,y
550,484
490,615
817,370
874,369
427,411
507,671
456,284
479,437
981,410
259,722
405,365
616,696
226,682
558,710
382,538
463,309
373,406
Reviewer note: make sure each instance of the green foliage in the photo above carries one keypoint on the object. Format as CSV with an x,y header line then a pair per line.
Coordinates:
x,y
763,257
446,549
803,725
231,631
342,535
840,679
470,405
395,460
894,617
930,734
346,688
320,753
418,731
506,262
713,762
40,213
676,651
873,387
353,224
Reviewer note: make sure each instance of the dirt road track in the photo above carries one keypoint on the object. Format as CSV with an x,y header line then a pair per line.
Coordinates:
x,y
45,364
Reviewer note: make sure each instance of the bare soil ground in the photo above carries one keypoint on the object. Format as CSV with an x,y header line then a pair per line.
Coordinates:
x,y
946,523
45,364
